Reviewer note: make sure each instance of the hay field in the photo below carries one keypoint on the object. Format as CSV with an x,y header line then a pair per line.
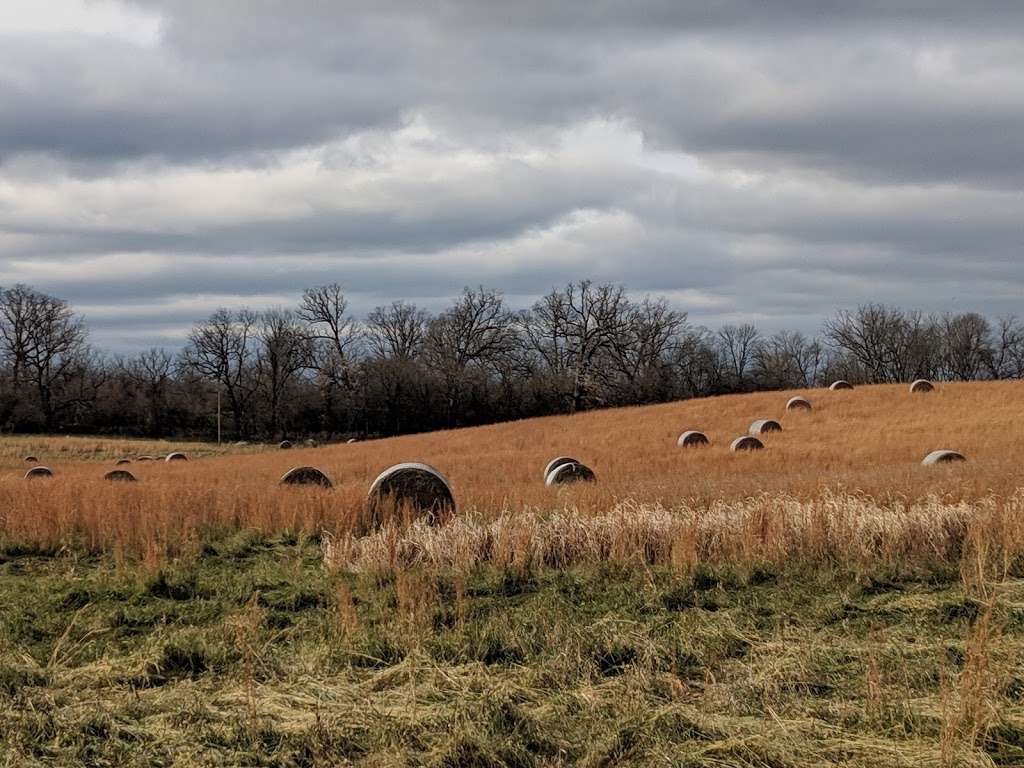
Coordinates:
x,y
827,601
63,450
868,442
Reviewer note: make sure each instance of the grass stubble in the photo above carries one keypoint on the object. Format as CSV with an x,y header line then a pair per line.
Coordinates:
x,y
825,602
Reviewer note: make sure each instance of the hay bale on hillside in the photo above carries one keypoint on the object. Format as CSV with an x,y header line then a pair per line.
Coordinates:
x,y
841,384
922,385
176,456
352,440
121,462
746,443
557,462
573,472
285,445
311,443
798,403
306,476
145,458
37,472
692,438
120,476
942,457
31,460
763,426
405,492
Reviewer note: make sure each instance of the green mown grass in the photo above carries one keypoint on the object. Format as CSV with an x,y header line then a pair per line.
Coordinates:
x,y
250,653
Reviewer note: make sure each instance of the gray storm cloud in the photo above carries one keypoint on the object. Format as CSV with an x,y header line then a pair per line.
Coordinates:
x,y
754,160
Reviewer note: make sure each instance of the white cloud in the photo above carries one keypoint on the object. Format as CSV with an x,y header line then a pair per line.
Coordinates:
x,y
86,18
158,160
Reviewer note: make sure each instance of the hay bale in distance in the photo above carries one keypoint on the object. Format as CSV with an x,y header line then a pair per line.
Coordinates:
x,y
798,403
573,472
120,476
352,440
922,385
31,460
692,438
557,462
763,426
306,476
144,458
121,462
746,443
176,456
942,457
37,472
841,384
311,443
407,491
285,445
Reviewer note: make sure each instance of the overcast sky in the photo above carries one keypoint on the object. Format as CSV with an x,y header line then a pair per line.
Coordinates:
x,y
749,160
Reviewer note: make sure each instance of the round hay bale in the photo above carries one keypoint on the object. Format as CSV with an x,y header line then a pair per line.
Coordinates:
x,y
763,426
798,403
176,456
311,443
746,443
352,440
306,476
144,458
120,476
942,457
841,384
121,462
408,491
573,472
37,472
692,438
285,445
922,385
557,462
31,460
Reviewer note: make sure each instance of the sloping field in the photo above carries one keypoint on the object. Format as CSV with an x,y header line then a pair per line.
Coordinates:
x,y
865,442
827,601
53,451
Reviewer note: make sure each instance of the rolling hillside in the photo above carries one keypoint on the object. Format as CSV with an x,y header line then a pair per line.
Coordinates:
x,y
867,441
827,601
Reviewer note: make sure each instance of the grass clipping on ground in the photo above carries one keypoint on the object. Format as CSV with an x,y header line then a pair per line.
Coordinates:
x,y
250,653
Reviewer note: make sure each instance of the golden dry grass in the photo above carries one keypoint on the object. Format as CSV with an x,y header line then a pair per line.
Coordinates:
x,y
61,450
863,443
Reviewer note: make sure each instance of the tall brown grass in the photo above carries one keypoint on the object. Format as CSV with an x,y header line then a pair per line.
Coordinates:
x,y
61,450
855,532
858,450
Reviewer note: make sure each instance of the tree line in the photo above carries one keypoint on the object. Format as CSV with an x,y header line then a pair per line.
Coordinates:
x,y
315,370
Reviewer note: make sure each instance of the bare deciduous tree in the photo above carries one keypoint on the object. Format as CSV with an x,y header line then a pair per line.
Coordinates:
x,y
570,328
642,351
152,373
966,346
44,343
396,331
472,334
738,345
890,345
221,350
787,360
1008,353
285,350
